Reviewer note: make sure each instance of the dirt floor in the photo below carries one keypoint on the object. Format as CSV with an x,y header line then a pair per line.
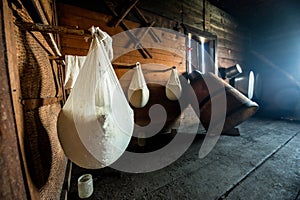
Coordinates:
x,y
262,163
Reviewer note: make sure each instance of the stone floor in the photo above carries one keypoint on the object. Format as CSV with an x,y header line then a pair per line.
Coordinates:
x,y
262,163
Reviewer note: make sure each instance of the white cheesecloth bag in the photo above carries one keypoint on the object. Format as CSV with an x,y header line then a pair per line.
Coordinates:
x,y
73,66
138,92
173,86
96,123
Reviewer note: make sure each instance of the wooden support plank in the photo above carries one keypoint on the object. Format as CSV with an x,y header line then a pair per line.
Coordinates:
x,y
126,12
31,104
39,8
49,10
48,36
12,180
141,15
143,18
145,32
142,50
74,51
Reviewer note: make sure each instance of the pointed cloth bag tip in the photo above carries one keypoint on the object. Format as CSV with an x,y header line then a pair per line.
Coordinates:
x,y
96,123
138,92
173,86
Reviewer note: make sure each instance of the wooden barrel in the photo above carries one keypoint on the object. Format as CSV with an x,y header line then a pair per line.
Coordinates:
x,y
238,107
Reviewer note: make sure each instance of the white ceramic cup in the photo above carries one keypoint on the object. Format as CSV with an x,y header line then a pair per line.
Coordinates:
x,y
85,186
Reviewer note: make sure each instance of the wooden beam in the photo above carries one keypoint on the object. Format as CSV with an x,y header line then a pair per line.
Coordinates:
x,y
50,29
125,13
31,104
145,53
48,36
143,18
56,58
146,32
12,180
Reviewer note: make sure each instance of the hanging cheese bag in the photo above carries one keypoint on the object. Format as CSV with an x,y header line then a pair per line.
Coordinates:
x,y
138,92
96,123
173,86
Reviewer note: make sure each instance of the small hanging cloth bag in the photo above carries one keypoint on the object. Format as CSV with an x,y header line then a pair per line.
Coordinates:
x,y
138,92
96,123
173,87
73,66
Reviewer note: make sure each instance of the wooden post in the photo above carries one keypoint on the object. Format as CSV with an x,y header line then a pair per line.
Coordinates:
x,y
11,176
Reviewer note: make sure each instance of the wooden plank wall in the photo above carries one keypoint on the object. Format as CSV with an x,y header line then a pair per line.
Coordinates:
x,y
124,47
231,40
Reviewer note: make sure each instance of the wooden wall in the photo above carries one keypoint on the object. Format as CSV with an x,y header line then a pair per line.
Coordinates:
x,y
125,52
36,95
231,38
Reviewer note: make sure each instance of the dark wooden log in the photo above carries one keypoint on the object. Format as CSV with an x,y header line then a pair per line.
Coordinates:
x,y
50,29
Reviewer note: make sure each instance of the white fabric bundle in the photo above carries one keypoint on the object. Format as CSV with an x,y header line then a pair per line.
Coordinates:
x,y
96,123
73,66
173,87
138,92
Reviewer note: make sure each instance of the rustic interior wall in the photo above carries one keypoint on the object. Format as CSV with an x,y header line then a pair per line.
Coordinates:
x,y
232,38
166,14
33,83
76,17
